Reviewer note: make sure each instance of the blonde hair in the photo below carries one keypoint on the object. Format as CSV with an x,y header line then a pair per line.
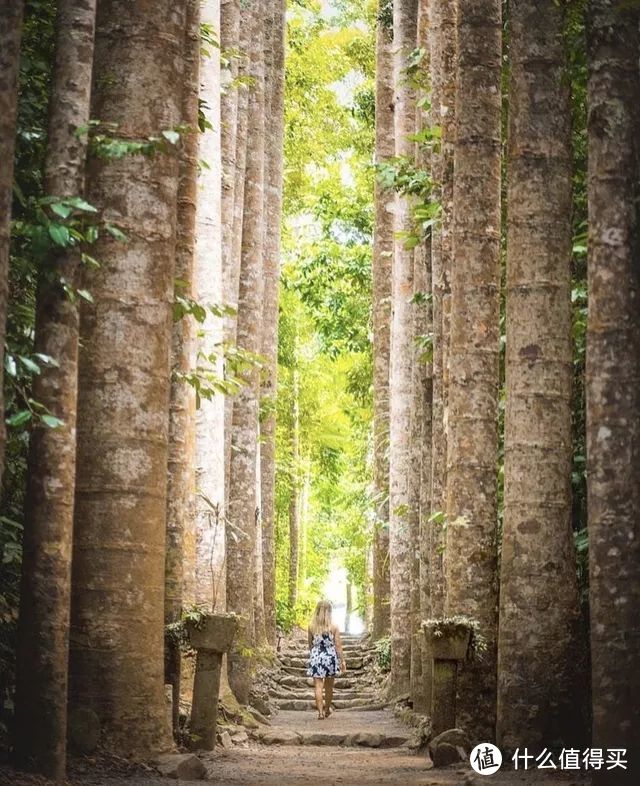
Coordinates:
x,y
321,620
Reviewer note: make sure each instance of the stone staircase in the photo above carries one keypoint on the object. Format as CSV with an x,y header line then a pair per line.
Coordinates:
x,y
357,689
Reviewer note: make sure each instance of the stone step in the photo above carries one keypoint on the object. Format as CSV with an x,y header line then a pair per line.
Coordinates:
x,y
302,652
297,672
300,662
307,693
341,683
339,704
362,739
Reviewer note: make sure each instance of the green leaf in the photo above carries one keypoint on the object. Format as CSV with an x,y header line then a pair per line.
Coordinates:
x,y
59,234
62,210
116,233
29,364
10,365
19,418
52,421
199,312
411,241
91,234
46,359
89,261
81,204
85,295
173,137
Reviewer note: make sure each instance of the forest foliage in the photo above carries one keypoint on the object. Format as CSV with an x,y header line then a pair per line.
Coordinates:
x,y
325,310
325,306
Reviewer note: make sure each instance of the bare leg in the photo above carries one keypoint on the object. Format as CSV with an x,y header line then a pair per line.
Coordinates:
x,y
317,688
328,695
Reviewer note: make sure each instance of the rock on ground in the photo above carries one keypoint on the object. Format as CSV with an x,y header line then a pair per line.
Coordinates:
x,y
280,737
225,739
183,766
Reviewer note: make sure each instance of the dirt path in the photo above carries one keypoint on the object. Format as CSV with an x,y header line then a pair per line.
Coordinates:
x,y
326,764
290,766
343,723
331,764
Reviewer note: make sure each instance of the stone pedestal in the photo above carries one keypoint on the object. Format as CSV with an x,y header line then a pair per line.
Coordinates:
x,y
447,651
427,672
418,684
211,638
172,668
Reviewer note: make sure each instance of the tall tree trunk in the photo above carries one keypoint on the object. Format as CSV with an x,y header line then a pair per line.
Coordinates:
x,y
231,270
294,501
242,480
405,13
229,42
415,478
425,557
272,169
421,417
210,573
260,632
471,549
274,154
349,608
232,114
442,45
538,618
116,653
180,549
11,12
613,378
43,637
382,256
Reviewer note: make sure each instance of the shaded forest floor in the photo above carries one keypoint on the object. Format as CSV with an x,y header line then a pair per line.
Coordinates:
x,y
365,745
292,764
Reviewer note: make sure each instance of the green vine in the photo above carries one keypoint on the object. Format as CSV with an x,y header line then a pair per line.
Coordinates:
x,y
403,176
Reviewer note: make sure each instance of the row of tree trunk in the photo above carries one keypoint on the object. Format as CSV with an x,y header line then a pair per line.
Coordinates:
x,y
149,497
439,466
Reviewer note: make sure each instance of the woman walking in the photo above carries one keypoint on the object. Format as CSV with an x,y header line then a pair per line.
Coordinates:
x,y
326,658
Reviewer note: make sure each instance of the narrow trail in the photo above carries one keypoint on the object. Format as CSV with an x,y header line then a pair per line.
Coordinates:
x,y
361,743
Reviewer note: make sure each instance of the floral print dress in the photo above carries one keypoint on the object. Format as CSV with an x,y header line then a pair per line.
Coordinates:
x,y
323,657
